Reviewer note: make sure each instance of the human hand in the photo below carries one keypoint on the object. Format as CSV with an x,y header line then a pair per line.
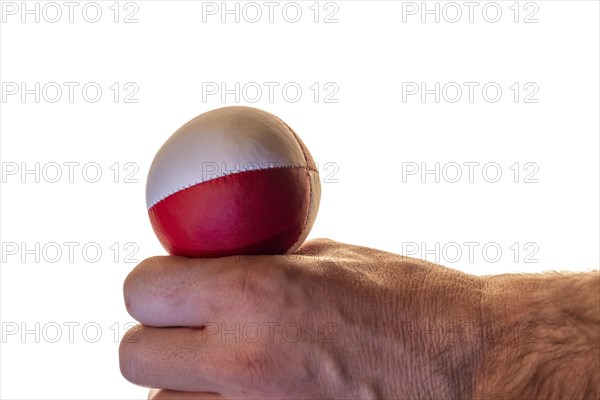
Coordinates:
x,y
330,321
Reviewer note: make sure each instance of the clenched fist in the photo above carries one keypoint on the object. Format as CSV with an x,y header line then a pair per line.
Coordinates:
x,y
348,322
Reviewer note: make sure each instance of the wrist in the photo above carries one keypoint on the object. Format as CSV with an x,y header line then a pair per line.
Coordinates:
x,y
541,336
439,331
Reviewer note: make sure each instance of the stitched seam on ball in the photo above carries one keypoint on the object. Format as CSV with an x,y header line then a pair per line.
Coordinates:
x,y
310,189
225,175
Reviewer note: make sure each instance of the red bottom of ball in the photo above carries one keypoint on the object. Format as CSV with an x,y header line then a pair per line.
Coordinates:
x,y
252,212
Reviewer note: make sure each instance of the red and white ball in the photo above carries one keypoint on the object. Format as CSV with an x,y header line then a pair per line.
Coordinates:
x,y
235,180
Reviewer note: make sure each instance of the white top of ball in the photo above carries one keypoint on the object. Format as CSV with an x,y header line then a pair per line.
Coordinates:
x,y
218,143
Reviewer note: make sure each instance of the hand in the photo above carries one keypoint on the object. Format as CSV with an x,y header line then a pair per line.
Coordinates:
x,y
331,321
342,321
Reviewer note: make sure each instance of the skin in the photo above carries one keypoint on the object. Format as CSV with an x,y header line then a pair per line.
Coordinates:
x,y
348,322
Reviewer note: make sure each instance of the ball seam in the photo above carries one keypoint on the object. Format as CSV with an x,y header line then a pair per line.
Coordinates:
x,y
162,198
310,188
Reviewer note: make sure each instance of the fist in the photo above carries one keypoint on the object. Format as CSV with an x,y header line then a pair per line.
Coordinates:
x,y
329,321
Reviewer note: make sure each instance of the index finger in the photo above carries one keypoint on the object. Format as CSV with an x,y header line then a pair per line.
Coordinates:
x,y
179,291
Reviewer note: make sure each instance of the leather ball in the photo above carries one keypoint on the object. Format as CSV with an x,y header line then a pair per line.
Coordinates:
x,y
234,180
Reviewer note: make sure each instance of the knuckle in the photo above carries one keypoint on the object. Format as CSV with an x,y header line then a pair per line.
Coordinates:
x,y
319,248
252,288
324,241
257,366
250,278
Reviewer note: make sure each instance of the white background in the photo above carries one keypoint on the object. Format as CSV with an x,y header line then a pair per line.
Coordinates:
x,y
366,139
